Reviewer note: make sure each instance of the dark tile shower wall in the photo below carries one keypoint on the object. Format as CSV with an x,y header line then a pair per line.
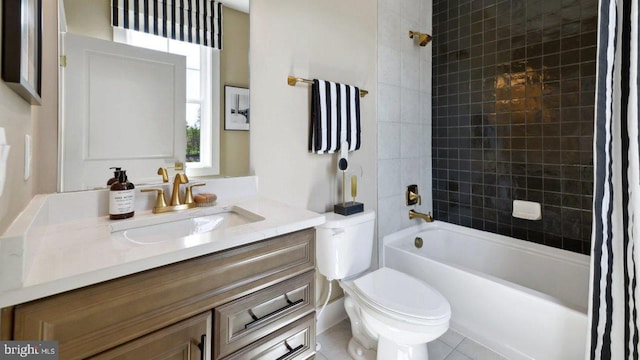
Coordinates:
x,y
513,97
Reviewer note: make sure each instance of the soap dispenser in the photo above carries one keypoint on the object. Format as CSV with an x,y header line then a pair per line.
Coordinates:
x,y
116,175
121,198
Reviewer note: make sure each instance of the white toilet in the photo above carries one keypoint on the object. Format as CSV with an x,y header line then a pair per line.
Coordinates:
x,y
391,313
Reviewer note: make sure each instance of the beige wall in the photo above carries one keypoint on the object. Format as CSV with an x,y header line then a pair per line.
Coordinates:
x,y
234,71
18,118
333,40
45,130
89,18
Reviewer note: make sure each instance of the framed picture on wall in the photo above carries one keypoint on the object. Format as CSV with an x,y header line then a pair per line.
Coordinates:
x,y
22,47
236,108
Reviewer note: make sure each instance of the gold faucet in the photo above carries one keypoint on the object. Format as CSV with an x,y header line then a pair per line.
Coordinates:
x,y
163,172
426,217
175,203
175,196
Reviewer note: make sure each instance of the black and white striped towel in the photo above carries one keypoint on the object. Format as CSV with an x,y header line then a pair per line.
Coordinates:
x,y
335,117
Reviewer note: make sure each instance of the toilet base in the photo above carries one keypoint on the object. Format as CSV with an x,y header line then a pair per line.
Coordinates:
x,y
369,343
359,352
388,349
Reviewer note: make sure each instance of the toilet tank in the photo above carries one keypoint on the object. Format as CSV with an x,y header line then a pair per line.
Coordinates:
x,y
344,244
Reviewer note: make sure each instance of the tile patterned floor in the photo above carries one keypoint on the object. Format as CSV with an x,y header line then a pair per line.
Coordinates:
x,y
450,346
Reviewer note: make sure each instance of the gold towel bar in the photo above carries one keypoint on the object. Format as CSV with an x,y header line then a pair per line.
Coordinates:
x,y
292,81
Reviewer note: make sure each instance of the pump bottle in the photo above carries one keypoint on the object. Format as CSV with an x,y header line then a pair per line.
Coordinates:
x,y
121,198
116,175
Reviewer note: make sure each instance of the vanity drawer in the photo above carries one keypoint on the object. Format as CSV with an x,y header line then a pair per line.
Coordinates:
x,y
184,340
294,341
243,321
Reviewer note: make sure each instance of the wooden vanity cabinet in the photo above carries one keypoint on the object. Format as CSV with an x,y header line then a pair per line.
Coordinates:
x,y
164,312
185,340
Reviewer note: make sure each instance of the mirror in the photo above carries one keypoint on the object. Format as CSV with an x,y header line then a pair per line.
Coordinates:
x,y
93,19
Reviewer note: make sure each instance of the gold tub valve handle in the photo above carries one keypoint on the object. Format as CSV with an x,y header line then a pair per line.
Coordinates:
x,y
415,197
412,195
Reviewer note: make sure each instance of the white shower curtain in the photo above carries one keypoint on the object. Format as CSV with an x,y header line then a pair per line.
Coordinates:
x,y
615,292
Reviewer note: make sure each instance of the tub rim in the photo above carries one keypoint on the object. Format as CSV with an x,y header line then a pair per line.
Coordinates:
x,y
578,309
523,245
518,244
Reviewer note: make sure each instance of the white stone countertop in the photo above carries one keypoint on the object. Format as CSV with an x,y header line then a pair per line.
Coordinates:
x,y
69,255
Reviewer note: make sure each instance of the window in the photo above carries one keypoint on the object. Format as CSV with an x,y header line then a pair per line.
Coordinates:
x,y
203,97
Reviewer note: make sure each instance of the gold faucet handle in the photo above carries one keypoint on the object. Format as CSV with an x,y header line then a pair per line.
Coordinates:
x,y
188,196
413,197
161,203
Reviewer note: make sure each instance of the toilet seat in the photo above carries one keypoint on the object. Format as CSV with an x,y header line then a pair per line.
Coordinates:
x,y
399,295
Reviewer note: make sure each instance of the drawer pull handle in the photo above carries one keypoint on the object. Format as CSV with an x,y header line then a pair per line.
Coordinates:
x,y
202,346
291,350
257,321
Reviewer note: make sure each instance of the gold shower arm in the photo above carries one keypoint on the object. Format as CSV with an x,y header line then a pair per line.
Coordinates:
x,y
423,39
292,81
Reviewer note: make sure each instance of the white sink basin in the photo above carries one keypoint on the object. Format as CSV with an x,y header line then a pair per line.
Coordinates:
x,y
151,234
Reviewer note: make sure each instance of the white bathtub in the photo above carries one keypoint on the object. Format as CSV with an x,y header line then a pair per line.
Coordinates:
x,y
521,299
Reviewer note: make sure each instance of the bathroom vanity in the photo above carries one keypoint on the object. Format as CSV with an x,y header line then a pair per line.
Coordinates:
x,y
242,292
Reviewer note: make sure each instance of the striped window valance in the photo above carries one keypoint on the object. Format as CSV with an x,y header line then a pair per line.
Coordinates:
x,y
194,21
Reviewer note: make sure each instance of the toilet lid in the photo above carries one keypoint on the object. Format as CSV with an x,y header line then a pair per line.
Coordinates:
x,y
403,294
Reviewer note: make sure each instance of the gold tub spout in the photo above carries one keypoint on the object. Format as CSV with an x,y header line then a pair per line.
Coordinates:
x,y
426,217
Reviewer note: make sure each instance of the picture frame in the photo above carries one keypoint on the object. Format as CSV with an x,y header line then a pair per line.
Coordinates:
x,y
22,48
236,110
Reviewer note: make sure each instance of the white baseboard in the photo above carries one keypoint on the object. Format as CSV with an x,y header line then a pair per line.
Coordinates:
x,y
332,314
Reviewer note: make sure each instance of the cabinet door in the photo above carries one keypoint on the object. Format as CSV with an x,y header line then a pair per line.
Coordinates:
x,y
185,340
